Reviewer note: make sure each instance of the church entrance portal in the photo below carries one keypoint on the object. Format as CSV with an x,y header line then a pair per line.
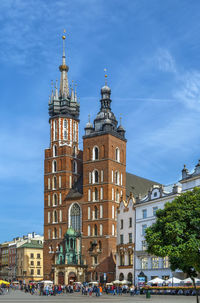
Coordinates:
x,y
61,279
72,277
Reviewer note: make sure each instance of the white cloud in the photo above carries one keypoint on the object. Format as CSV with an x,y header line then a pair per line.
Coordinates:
x,y
165,61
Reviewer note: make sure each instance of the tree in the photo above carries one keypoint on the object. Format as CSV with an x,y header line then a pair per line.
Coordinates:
x,y
176,234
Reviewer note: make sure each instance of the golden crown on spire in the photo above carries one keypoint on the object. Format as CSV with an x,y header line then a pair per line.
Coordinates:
x,y
63,36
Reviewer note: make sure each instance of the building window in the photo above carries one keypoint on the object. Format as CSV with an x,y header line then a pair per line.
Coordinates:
x,y
55,233
49,183
89,213
54,166
38,272
144,227
95,176
95,212
165,262
155,210
101,193
95,260
112,194
55,202
130,222
101,229
121,179
60,215
49,200
75,167
54,151
32,272
95,230
38,256
121,260
130,258
90,177
113,212
121,239
155,262
130,238
60,181
95,194
155,194
117,195
144,263
55,217
31,256
60,198
49,217
121,224
113,229
49,234
101,175
117,154
101,211
95,153
144,245
55,130
117,177
75,216
60,232
89,194
32,263
89,230
54,182
112,176
144,213
70,181
38,263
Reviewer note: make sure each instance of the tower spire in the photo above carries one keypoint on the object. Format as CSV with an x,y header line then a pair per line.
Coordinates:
x,y
64,86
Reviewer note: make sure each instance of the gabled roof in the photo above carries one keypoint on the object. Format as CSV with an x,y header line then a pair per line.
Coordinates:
x,y
32,244
137,185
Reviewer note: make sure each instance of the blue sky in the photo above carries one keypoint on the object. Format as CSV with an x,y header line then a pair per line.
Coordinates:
x,y
151,49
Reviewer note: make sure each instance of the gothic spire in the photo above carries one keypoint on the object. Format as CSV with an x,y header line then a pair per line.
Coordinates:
x,y
64,86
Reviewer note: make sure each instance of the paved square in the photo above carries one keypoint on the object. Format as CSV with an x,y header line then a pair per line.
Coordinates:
x,y
19,296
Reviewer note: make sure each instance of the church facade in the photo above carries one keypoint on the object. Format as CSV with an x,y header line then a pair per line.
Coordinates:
x,y
83,188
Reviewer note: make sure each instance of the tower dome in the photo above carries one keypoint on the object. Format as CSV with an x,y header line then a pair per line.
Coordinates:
x,y
105,90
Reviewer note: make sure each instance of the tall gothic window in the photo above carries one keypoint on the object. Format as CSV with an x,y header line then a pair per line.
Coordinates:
x,y
95,153
54,151
95,212
75,216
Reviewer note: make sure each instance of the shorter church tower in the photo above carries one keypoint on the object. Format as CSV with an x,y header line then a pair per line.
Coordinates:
x,y
104,182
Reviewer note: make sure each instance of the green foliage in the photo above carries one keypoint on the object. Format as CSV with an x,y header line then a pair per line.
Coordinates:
x,y
176,233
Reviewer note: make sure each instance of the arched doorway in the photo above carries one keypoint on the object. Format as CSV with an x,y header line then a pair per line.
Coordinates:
x,y
121,277
61,278
130,277
72,277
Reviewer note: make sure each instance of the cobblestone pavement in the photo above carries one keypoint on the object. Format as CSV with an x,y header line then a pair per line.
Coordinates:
x,y
19,296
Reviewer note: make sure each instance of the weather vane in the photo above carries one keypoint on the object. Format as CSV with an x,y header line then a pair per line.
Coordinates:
x,y
120,119
105,70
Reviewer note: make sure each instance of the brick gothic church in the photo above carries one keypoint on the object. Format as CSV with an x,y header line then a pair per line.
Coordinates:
x,y
82,189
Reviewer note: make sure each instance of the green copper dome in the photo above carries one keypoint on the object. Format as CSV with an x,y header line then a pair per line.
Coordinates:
x,y
70,232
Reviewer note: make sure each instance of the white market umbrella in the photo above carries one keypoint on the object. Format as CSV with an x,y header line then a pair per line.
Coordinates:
x,y
124,282
173,280
117,282
189,280
156,281
109,284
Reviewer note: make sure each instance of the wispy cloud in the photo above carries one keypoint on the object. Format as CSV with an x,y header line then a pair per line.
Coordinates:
x,y
165,61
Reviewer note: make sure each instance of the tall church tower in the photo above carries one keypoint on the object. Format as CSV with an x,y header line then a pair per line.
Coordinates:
x,y
104,183
62,165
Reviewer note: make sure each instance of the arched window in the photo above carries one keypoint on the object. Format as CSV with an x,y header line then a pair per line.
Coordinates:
x,y
54,166
117,195
55,217
121,277
100,245
65,129
75,217
96,194
75,167
55,233
101,229
74,151
54,151
117,177
130,277
55,200
95,212
95,153
95,176
117,154
71,243
89,230
95,230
